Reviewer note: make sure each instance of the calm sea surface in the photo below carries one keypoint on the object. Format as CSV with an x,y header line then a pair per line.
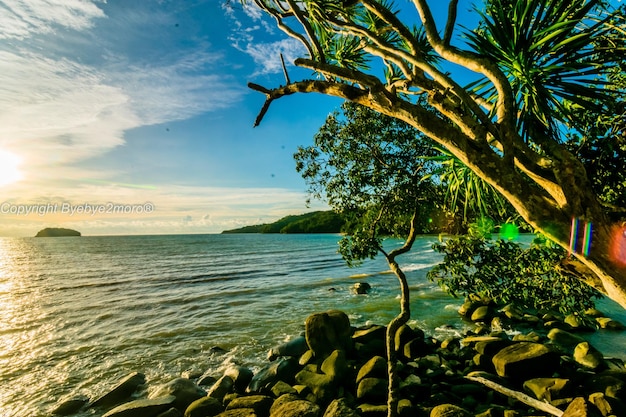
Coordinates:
x,y
78,314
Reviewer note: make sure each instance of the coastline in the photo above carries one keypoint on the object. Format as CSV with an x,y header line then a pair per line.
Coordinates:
x,y
337,370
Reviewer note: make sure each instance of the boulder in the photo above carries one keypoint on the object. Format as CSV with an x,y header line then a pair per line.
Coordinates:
x,y
372,390
370,333
322,386
70,406
374,368
415,349
449,410
579,407
283,369
335,366
329,331
142,408
183,390
565,339
293,348
609,324
259,403
548,389
361,288
404,335
172,412
339,408
205,406
121,392
587,356
281,388
240,375
238,412
525,360
372,410
481,313
292,406
224,385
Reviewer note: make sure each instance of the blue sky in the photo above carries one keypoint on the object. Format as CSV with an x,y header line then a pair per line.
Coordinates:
x,y
106,106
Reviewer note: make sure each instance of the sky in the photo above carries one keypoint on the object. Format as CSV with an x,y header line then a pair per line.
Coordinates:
x,y
134,117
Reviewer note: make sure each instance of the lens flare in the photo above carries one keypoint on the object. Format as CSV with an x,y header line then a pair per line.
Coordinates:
x,y
618,245
509,231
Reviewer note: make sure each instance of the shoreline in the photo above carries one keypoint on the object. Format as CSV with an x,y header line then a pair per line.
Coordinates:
x,y
336,370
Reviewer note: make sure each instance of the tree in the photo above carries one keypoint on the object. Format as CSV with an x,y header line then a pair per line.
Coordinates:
x,y
373,168
539,63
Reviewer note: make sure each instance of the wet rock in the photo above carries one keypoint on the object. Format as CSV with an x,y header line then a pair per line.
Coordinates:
x,y
70,406
238,412
579,407
482,313
121,392
183,390
361,288
224,385
283,369
172,412
259,403
206,406
293,348
281,388
142,408
449,410
548,388
372,390
525,360
565,339
372,410
374,368
240,375
340,408
370,333
587,356
609,324
321,385
292,406
404,335
329,331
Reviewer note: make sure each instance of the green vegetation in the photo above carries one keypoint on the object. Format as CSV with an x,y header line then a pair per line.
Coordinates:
x,y
314,222
56,232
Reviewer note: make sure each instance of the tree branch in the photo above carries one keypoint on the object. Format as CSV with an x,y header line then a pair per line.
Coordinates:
x,y
452,9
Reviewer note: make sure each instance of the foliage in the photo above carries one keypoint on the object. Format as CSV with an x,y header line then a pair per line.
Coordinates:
x,y
314,222
506,272
370,168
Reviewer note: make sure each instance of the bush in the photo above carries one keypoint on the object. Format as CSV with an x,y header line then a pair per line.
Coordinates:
x,y
506,272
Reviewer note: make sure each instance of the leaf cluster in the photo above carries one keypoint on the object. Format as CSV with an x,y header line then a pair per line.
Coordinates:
x,y
506,272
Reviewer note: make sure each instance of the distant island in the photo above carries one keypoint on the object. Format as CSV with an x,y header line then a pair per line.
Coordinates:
x,y
56,232
314,222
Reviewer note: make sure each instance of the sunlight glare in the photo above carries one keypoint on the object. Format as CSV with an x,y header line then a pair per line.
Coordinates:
x,y
9,168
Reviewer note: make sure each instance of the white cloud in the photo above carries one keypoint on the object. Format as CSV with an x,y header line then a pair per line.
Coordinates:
x,y
267,55
23,18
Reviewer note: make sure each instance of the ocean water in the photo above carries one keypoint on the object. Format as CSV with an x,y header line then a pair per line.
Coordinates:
x,y
78,314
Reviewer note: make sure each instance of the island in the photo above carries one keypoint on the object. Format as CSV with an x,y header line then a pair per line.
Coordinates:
x,y
313,222
56,232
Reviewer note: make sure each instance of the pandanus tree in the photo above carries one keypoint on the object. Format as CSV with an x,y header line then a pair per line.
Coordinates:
x,y
540,67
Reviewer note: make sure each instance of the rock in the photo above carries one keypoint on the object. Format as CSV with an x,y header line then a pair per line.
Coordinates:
x,y
281,388
372,390
322,386
482,313
525,360
294,407
374,368
415,349
512,312
259,403
70,406
369,333
206,380
449,410
224,385
609,324
528,337
293,348
238,412
372,410
606,405
240,375
587,356
205,406
361,288
339,408
468,307
283,369
183,390
580,408
172,412
142,408
548,388
404,335
121,392
612,384
326,332
565,339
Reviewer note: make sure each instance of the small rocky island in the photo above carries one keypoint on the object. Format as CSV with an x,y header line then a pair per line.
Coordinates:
x,y
56,232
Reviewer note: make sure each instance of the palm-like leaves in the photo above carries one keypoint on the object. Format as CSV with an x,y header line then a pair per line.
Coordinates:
x,y
549,50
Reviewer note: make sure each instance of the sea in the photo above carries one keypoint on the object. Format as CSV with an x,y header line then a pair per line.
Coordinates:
x,y
77,314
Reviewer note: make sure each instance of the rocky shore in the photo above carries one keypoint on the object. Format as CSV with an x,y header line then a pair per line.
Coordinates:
x,y
512,364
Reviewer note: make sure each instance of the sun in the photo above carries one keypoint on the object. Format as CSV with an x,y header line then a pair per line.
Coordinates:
x,y
9,168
